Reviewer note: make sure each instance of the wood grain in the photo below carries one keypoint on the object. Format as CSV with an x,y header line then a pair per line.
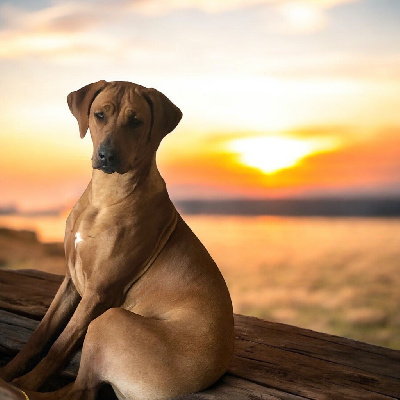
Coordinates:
x,y
271,360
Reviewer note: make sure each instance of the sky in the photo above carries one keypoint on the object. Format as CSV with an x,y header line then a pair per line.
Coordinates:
x,y
280,98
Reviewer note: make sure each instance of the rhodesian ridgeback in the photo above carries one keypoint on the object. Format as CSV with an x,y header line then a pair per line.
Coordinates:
x,y
141,292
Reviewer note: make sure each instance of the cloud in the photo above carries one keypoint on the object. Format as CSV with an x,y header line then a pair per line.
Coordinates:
x,y
72,17
339,64
60,17
139,32
151,7
294,16
305,16
77,32
217,6
302,17
368,166
72,33
45,31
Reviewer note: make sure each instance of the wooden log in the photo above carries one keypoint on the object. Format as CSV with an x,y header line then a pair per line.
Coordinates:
x,y
271,360
28,292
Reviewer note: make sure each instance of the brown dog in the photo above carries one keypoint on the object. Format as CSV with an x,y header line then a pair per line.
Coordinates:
x,y
141,292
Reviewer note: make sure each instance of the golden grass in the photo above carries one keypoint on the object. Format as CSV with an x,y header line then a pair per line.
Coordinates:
x,y
340,276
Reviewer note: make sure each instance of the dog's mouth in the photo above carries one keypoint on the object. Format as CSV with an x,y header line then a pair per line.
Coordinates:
x,y
107,169
107,166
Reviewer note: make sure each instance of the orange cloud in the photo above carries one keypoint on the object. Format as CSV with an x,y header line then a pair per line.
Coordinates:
x,y
204,169
358,167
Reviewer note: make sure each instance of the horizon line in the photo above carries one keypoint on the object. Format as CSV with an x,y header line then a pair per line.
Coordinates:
x,y
323,206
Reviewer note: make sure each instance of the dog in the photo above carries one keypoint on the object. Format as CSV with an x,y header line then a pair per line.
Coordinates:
x,y
141,293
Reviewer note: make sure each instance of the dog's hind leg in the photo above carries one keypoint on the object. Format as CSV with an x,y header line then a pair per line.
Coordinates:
x,y
139,357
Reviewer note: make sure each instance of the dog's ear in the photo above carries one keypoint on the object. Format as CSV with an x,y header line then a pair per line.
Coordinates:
x,y
79,103
165,115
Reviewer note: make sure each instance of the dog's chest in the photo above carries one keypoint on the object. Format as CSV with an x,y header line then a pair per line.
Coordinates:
x,y
76,270
80,245
74,260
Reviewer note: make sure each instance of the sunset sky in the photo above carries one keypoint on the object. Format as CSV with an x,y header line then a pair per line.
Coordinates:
x,y
279,97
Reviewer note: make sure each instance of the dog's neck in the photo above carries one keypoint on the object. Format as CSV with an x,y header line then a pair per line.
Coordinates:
x,y
110,189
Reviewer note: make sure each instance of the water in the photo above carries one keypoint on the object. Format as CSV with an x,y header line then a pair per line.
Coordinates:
x,y
335,275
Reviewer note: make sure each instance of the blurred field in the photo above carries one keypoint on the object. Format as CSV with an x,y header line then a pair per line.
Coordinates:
x,y
21,249
335,275
340,276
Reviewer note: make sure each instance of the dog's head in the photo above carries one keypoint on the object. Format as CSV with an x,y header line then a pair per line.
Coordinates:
x,y
126,121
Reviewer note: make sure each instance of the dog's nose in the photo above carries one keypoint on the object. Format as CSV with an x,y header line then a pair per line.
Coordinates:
x,y
107,158
107,155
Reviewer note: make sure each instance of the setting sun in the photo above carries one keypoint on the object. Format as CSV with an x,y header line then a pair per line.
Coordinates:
x,y
274,153
276,101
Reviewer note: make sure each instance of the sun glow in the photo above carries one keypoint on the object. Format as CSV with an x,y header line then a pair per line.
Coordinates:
x,y
303,17
274,153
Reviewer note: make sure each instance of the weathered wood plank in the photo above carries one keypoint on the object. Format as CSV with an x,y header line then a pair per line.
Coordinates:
x,y
231,387
366,357
308,378
28,292
271,361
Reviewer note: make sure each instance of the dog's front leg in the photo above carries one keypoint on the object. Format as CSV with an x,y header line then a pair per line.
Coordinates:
x,y
52,324
90,307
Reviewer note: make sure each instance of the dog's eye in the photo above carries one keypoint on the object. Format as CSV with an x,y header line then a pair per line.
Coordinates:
x,y
134,121
99,115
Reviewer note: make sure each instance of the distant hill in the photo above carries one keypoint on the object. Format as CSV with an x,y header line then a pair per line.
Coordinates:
x,y
21,249
8,210
324,207
318,207
13,210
